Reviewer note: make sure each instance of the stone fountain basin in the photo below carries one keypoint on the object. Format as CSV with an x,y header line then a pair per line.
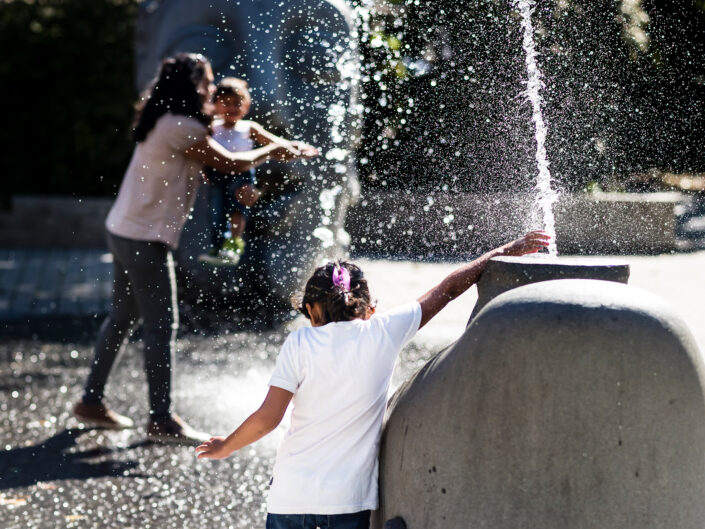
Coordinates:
x,y
567,403
506,273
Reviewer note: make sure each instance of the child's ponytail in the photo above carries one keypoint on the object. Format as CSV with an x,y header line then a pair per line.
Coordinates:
x,y
341,290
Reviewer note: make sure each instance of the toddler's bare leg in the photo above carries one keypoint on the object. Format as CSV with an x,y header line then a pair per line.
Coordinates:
x,y
247,195
237,224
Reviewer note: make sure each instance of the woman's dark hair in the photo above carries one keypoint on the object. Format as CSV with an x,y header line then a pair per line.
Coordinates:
x,y
175,91
337,302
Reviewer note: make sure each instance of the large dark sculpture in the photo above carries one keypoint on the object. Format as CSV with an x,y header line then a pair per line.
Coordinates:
x,y
300,59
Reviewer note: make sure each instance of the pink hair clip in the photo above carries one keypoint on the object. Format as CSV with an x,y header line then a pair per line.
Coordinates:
x,y
341,278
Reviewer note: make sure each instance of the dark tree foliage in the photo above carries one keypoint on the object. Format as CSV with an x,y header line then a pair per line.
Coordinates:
x,y
676,96
624,97
458,103
623,94
67,76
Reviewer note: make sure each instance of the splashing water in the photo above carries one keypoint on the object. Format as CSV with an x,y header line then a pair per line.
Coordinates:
x,y
546,196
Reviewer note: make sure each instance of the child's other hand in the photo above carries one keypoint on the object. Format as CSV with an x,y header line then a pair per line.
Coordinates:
x,y
214,448
285,153
532,242
307,151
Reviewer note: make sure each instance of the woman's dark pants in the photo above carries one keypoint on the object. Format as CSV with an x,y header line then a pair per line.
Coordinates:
x,y
144,287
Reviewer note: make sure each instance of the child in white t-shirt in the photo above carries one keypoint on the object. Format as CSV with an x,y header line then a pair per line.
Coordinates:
x,y
337,374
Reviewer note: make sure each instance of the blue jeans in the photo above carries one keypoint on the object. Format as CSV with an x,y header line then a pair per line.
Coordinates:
x,y
223,201
355,520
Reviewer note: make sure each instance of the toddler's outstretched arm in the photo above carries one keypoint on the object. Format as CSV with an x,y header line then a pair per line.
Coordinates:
x,y
256,426
467,275
264,137
212,154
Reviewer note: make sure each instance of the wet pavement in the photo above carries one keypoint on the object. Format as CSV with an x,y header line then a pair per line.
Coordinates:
x,y
55,474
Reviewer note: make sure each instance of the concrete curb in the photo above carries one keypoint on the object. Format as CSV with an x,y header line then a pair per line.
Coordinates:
x,y
54,222
462,224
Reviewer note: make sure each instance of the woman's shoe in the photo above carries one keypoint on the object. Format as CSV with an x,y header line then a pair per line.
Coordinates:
x,y
101,415
175,431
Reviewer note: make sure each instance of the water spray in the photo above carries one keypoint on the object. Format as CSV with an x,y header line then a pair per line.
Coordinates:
x,y
546,196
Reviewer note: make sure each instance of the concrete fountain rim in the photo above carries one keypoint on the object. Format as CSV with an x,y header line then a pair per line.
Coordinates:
x,y
541,260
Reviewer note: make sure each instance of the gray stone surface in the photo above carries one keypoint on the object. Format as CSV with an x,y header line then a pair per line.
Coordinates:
x,y
36,283
566,404
618,222
505,273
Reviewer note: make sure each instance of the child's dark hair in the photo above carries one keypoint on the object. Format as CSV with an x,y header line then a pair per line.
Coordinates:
x,y
175,91
337,301
232,86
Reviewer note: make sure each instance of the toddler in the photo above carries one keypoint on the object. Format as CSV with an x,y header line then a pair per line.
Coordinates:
x,y
232,195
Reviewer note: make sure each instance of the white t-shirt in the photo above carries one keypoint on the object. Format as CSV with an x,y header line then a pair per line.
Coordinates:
x,y
160,184
235,139
339,374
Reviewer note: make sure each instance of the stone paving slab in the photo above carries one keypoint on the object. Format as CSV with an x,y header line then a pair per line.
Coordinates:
x,y
54,282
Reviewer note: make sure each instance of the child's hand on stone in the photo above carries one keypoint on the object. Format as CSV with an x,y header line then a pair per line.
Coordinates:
x,y
214,448
532,242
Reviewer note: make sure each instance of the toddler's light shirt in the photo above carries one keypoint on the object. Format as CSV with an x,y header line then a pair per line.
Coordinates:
x,y
339,374
235,139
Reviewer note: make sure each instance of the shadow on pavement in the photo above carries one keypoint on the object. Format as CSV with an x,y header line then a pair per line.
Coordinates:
x,y
51,460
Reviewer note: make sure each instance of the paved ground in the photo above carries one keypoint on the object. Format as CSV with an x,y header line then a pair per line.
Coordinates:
x,y
55,474
36,284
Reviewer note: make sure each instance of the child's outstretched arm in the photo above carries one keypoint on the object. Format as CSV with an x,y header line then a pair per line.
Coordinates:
x,y
467,275
263,137
256,426
211,154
